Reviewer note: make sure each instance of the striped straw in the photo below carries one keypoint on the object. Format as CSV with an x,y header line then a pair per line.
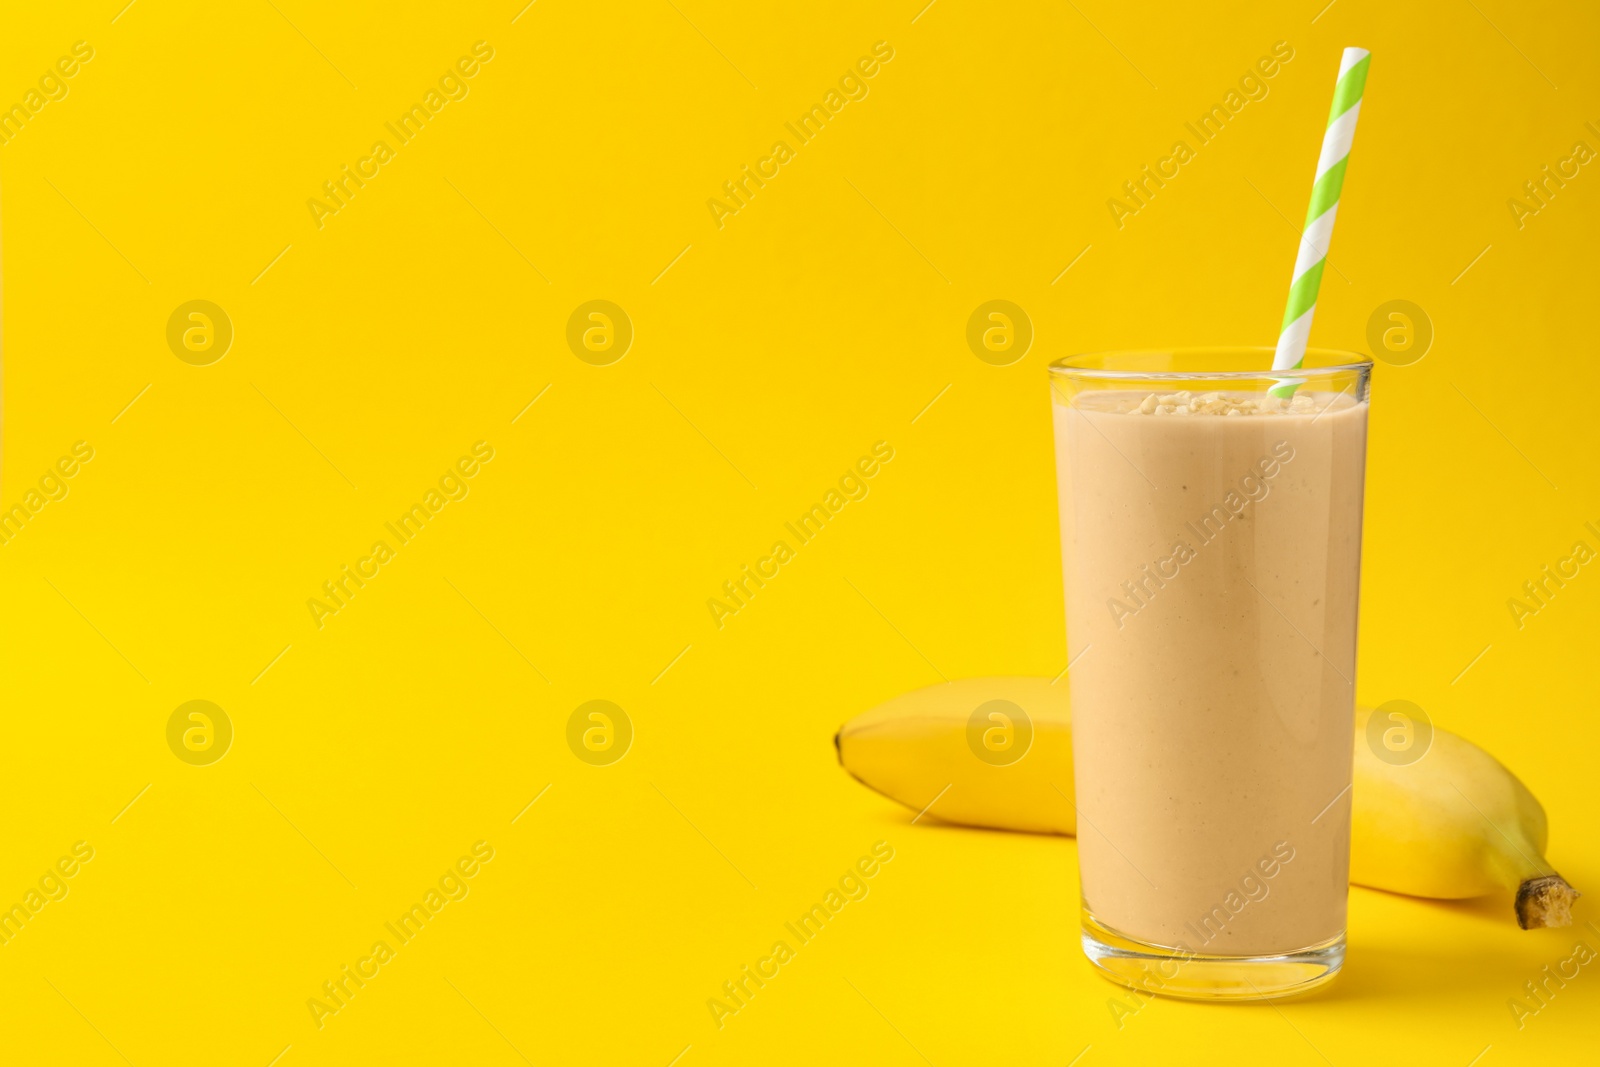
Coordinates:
x,y
1320,214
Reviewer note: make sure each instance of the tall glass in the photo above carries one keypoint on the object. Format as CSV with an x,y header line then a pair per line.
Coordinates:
x,y
1211,546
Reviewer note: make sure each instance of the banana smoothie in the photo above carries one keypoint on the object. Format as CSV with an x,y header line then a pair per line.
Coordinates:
x,y
1212,547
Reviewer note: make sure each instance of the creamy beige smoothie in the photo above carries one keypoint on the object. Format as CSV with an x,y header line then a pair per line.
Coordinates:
x,y
1212,548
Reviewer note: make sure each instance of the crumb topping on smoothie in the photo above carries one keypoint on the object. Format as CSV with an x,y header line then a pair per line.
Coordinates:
x,y
1184,402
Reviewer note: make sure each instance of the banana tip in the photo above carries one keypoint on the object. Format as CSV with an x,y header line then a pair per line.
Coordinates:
x,y
1545,901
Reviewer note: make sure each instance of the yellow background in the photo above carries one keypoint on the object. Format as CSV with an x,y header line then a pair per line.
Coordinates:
x,y
820,319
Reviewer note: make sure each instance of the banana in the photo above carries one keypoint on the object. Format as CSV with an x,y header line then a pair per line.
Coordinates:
x,y
997,753
916,749
1453,824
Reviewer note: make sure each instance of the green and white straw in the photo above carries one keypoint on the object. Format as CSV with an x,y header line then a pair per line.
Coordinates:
x,y
1320,215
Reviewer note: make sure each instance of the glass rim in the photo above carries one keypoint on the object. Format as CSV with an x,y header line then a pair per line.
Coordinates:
x,y
1322,362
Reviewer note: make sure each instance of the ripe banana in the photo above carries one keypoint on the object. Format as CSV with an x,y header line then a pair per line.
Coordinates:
x,y
1453,824
915,749
997,752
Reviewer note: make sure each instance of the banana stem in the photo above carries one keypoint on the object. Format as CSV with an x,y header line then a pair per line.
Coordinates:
x,y
1545,900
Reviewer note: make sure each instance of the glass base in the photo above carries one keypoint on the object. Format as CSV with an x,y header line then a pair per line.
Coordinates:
x,y
1176,972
